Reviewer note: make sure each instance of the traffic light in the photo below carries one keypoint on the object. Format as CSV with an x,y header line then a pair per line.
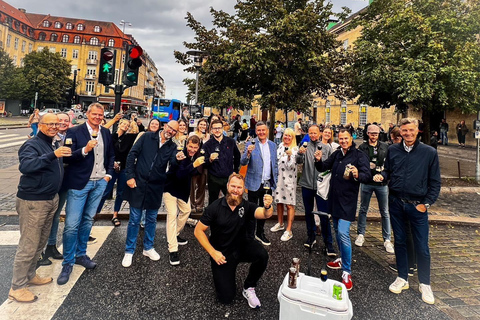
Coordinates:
x,y
133,62
107,66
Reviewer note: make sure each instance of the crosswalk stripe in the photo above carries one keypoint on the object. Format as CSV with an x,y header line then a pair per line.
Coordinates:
x,y
51,296
2,136
12,144
3,140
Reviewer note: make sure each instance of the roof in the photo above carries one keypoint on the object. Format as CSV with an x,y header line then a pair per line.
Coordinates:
x,y
14,13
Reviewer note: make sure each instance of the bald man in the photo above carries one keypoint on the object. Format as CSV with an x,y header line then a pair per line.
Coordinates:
x,y
146,170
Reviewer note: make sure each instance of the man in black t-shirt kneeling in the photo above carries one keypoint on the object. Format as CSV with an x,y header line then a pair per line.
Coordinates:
x,y
228,245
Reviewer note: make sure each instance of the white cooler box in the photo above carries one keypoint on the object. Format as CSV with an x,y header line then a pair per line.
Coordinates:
x,y
313,299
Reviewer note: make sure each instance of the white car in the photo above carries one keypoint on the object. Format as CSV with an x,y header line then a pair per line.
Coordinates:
x,y
49,110
77,114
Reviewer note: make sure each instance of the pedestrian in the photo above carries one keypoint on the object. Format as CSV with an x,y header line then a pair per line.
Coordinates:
x,y
376,151
297,127
228,244
177,192
413,174
223,158
146,171
260,157
434,139
279,130
42,171
253,123
349,167
245,129
395,136
285,193
462,131
89,170
308,182
444,132
33,123
199,181
237,128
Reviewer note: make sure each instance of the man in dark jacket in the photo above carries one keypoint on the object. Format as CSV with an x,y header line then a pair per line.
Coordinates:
x,y
41,166
414,173
146,170
376,152
349,167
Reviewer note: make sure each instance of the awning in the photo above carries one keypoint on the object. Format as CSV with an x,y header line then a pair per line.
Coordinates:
x,y
130,101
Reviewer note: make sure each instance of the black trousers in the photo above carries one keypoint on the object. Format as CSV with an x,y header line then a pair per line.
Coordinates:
x,y
215,185
257,198
224,275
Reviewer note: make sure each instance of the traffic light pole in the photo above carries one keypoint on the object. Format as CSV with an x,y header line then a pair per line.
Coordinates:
x,y
119,89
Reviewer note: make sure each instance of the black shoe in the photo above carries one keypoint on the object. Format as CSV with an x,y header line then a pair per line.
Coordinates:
x,y
331,252
263,239
310,242
65,274
91,240
411,271
52,251
181,241
174,260
43,261
86,262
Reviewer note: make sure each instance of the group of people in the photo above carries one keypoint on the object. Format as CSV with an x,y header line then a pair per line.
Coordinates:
x,y
461,130
170,165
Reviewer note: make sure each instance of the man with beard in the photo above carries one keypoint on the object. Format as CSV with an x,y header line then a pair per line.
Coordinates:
x,y
228,245
146,170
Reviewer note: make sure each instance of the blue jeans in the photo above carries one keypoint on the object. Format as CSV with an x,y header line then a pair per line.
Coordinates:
x,y
444,138
134,226
62,198
34,127
121,179
309,196
80,210
381,192
401,213
342,233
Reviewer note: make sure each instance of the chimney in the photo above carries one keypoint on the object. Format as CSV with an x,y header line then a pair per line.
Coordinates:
x,y
22,10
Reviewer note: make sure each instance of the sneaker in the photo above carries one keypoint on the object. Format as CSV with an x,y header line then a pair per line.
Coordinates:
x,y
263,239
251,297
310,242
277,227
127,260
152,254
287,235
192,222
427,294
174,259
347,280
388,246
181,241
360,240
411,271
86,262
337,264
22,295
331,252
399,285
65,274
91,240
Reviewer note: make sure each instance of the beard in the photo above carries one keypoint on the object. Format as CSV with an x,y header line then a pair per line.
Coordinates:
x,y
167,135
233,200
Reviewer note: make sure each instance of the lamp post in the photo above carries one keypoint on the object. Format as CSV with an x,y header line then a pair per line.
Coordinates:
x,y
74,87
197,61
314,105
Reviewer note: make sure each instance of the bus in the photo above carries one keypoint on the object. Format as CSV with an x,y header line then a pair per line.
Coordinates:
x,y
165,109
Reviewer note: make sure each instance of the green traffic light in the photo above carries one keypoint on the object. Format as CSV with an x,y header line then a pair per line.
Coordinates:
x,y
131,76
107,67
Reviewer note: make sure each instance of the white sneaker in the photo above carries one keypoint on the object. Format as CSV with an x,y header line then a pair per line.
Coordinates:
x,y
388,246
360,240
287,235
399,285
127,260
192,222
277,227
427,294
152,254
251,297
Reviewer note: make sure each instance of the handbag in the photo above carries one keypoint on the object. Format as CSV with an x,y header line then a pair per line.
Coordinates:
x,y
323,184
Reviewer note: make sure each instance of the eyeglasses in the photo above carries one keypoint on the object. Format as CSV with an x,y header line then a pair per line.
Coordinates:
x,y
219,128
171,128
51,125
373,133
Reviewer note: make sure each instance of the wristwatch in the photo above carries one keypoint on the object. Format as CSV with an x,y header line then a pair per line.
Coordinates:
x,y
427,205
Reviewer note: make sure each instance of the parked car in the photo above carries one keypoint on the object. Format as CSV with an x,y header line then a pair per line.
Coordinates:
x,y
108,114
49,110
78,114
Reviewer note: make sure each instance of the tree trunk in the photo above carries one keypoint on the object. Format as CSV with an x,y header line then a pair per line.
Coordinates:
x,y
271,133
426,127
286,118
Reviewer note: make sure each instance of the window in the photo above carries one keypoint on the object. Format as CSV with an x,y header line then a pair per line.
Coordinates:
x,y
76,39
97,29
80,27
30,47
52,49
92,55
69,26
327,112
363,115
343,113
24,28
111,43
24,45
15,60
39,48
57,25
54,37
16,43
94,41
63,52
65,38
46,24
42,36
22,63
345,44
75,54
9,39
89,86
92,71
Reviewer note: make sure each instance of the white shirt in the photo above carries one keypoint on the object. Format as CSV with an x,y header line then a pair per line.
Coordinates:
x,y
267,169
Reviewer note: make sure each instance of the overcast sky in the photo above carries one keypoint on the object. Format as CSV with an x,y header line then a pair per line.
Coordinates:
x,y
159,26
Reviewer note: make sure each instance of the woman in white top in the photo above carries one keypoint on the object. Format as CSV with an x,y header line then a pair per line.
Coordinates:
x,y
286,191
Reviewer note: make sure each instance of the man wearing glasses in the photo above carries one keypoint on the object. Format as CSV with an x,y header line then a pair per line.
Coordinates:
x,y
41,165
146,170
222,159
376,152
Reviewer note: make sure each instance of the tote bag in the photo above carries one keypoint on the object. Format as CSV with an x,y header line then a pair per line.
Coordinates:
x,y
323,184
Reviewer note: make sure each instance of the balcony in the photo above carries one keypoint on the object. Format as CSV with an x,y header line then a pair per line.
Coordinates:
x,y
90,76
92,61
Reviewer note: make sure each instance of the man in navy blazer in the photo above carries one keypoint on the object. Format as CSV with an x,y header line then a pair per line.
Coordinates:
x,y
89,169
262,175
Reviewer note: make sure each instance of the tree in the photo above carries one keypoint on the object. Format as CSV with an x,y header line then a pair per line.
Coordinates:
x,y
12,81
278,49
48,74
420,54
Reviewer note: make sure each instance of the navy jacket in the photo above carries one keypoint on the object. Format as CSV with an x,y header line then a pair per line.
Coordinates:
x,y
148,164
42,171
228,160
343,194
79,169
179,178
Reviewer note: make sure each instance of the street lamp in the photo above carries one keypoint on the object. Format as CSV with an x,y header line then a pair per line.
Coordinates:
x,y
197,61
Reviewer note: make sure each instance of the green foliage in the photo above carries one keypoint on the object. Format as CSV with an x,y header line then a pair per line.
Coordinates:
x,y
12,81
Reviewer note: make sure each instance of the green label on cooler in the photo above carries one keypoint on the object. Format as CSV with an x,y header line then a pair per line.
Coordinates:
x,y
337,292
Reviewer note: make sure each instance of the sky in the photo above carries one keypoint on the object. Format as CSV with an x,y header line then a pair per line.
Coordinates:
x,y
159,26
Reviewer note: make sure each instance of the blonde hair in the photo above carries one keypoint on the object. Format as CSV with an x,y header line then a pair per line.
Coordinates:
x,y
291,133
331,136
133,127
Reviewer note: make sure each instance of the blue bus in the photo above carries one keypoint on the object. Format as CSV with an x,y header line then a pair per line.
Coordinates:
x,y
165,109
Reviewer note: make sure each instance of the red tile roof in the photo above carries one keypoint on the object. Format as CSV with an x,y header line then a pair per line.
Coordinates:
x,y
14,13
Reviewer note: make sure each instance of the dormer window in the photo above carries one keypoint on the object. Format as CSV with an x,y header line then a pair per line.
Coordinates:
x,y
76,39
42,36
46,23
69,26
54,37
94,41
111,42
65,38
97,29
80,27
57,25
